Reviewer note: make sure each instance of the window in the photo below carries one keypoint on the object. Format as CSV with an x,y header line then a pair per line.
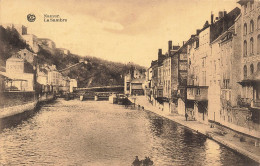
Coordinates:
x,y
245,48
258,22
258,66
215,67
251,26
245,8
251,45
245,29
198,91
204,77
197,44
204,62
251,69
258,44
226,83
245,72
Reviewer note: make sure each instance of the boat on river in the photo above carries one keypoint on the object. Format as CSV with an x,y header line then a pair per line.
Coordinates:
x,y
122,99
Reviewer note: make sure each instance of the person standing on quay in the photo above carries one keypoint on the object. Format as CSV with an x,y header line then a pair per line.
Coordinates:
x,y
136,162
186,116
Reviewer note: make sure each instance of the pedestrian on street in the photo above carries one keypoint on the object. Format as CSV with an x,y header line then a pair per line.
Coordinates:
x,y
186,116
136,162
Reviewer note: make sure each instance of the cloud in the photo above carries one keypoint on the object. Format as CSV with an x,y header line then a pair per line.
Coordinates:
x,y
118,30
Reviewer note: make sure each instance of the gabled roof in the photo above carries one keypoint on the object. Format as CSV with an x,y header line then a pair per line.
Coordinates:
x,y
230,30
15,57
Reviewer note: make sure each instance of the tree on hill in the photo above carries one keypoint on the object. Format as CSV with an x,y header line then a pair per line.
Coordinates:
x,y
97,72
10,43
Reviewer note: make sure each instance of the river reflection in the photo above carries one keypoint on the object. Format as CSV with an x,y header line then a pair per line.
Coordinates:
x,y
98,133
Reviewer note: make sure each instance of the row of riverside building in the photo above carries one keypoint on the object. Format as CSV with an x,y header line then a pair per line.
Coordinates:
x,y
22,72
214,76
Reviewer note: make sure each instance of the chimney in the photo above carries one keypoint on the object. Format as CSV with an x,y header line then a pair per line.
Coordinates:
x,y
212,18
169,45
225,13
220,14
198,31
160,52
160,56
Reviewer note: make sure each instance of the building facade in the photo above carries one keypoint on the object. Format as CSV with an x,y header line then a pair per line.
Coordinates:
x,y
31,40
28,56
20,79
249,99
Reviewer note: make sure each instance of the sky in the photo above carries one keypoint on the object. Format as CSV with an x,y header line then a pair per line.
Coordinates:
x,y
116,30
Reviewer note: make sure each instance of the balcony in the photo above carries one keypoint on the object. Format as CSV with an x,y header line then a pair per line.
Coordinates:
x,y
249,103
198,93
244,102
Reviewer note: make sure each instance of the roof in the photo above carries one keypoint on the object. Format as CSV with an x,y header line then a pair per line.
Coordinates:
x,y
182,49
2,68
15,57
230,30
175,47
138,81
63,49
4,76
44,39
243,2
43,70
223,24
24,49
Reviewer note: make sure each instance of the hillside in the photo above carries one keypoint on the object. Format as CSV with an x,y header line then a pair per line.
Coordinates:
x,y
97,72
10,43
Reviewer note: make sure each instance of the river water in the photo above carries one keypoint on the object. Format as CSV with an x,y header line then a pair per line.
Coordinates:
x,y
96,133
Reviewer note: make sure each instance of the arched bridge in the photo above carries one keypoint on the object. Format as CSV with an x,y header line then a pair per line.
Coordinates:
x,y
98,93
117,88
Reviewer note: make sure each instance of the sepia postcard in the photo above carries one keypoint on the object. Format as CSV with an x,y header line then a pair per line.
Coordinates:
x,y
130,82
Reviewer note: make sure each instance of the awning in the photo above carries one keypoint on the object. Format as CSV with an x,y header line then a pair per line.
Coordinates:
x,y
5,77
